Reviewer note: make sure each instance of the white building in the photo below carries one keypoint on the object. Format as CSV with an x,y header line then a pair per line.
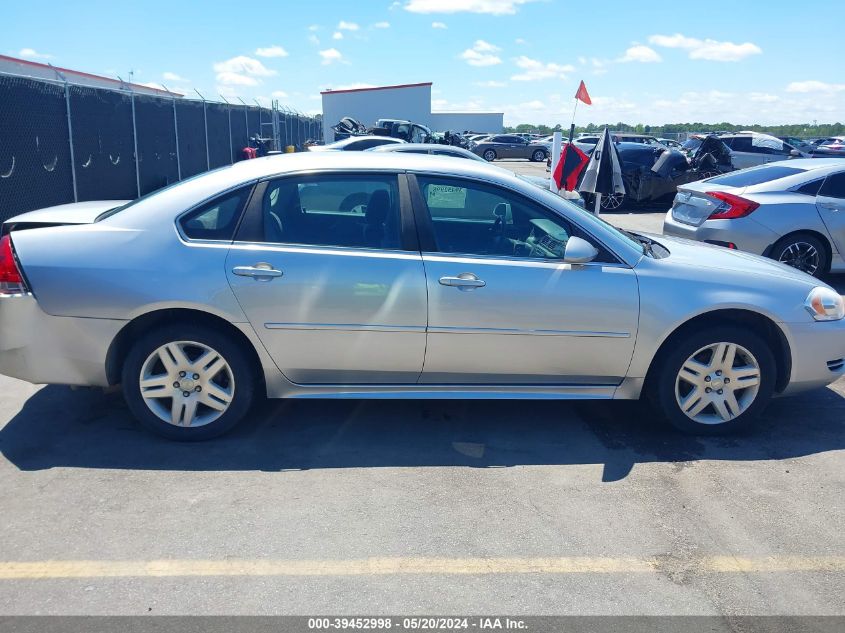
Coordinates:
x,y
407,101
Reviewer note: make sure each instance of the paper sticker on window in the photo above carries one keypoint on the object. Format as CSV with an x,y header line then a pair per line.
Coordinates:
x,y
446,197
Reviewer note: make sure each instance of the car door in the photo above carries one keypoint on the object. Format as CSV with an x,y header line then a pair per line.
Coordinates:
x,y
327,270
742,154
503,307
830,202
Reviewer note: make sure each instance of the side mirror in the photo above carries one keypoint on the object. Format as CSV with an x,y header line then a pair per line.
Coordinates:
x,y
794,153
579,251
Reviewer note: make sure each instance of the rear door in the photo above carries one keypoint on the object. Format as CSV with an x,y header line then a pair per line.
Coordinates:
x,y
830,202
327,270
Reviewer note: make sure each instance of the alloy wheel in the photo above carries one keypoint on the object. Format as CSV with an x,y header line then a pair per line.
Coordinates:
x,y
187,384
801,255
489,155
612,201
718,383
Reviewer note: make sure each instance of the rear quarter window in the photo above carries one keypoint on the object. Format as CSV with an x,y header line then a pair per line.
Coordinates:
x,y
754,176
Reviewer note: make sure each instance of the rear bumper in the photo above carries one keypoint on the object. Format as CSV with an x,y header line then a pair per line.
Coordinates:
x,y
745,233
815,349
40,348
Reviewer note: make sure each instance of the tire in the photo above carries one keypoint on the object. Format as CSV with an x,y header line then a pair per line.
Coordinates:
x,y
235,381
538,155
803,251
672,385
489,155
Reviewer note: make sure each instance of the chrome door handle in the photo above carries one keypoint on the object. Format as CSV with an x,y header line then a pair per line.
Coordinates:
x,y
260,272
464,281
829,206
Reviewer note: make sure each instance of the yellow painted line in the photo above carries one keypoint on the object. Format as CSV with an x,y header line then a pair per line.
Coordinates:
x,y
31,570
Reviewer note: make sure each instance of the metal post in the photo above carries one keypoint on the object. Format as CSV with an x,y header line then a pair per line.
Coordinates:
x,y
246,120
205,126
231,149
135,140
176,133
70,142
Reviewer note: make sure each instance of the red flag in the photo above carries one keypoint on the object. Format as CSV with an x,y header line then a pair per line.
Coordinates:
x,y
569,167
582,94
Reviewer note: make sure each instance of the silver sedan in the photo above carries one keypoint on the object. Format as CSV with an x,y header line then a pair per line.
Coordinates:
x,y
370,275
792,211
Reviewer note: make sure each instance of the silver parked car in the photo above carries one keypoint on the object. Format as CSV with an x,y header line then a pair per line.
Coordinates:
x,y
397,276
509,146
356,144
749,149
792,211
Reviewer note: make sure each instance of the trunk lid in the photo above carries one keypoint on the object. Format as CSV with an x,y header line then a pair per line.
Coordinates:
x,y
693,206
63,214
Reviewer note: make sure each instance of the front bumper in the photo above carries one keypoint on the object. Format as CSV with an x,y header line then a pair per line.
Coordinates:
x,y
745,233
816,347
45,349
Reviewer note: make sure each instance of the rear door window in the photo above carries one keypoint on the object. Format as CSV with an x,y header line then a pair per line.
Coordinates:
x,y
754,176
333,210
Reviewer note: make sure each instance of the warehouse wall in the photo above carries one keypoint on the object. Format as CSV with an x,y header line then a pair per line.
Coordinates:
x,y
472,121
412,103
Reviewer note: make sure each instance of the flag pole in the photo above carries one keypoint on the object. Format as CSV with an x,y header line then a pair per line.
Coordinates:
x,y
572,125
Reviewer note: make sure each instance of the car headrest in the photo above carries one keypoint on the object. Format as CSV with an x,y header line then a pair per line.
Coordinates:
x,y
377,207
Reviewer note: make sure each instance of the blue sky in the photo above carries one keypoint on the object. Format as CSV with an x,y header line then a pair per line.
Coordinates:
x,y
743,61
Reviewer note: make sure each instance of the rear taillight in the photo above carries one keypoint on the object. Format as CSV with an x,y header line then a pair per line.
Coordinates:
x,y
11,280
731,206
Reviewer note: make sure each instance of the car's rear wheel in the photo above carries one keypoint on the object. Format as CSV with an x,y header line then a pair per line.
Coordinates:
x,y
489,155
715,381
188,383
802,251
538,155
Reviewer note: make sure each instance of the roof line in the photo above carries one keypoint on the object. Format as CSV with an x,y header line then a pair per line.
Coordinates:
x,y
336,92
27,62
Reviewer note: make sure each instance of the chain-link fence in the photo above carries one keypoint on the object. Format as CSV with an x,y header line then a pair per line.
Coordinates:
x,y
61,142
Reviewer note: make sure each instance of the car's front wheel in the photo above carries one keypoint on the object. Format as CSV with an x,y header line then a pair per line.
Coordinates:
x,y
188,383
538,155
714,381
489,155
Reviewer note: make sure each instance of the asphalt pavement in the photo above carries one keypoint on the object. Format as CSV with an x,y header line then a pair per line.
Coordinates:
x,y
420,507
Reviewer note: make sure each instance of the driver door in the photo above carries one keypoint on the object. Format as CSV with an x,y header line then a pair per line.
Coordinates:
x,y
502,306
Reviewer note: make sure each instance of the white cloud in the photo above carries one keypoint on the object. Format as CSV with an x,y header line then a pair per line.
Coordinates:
x,y
439,25
640,53
519,40
347,26
271,51
814,86
491,84
241,71
330,56
381,25
490,7
314,27
279,94
168,76
234,79
31,53
534,70
711,50
484,47
763,97
337,35
481,54
314,39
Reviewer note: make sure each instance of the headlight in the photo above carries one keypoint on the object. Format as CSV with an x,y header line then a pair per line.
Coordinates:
x,y
825,304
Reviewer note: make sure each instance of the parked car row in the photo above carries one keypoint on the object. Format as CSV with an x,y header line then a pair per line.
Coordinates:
x,y
398,275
